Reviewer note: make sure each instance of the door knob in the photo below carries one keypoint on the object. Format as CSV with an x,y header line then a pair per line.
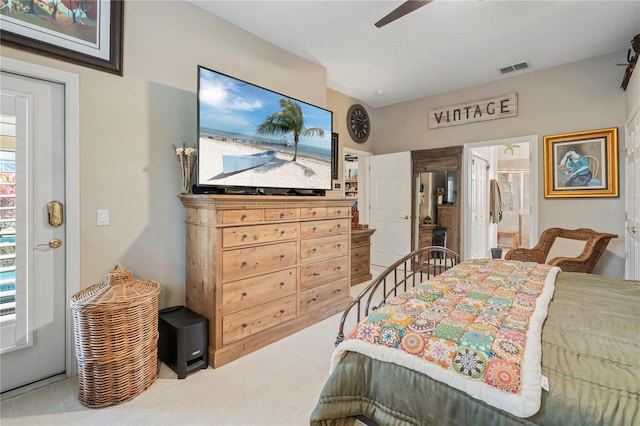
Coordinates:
x,y
54,243
406,216
632,229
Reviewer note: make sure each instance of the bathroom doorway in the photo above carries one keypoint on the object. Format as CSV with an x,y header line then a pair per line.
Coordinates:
x,y
510,163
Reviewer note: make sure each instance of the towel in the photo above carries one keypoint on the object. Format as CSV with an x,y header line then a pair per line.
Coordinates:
x,y
495,202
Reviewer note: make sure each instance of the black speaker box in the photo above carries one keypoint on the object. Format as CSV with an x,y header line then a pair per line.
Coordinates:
x,y
183,341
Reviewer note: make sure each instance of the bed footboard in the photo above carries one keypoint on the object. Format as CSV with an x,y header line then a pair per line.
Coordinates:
x,y
413,269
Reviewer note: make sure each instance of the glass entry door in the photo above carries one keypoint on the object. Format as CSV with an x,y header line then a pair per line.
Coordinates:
x,y
32,231
8,223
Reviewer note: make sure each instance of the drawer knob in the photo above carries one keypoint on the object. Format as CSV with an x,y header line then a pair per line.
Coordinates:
x,y
282,232
339,225
244,264
313,250
281,215
337,290
339,211
281,256
338,267
282,311
315,299
281,283
314,229
243,217
338,245
315,274
244,236
244,294
313,214
244,325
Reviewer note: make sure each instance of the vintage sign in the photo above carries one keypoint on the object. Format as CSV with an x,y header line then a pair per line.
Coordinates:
x,y
473,112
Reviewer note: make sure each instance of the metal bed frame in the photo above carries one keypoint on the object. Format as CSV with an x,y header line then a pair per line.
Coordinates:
x,y
413,269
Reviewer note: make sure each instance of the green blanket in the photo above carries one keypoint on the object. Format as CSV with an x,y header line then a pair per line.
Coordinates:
x,y
590,354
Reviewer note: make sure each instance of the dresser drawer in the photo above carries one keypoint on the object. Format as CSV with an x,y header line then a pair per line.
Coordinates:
x,y
251,321
323,295
313,212
361,267
361,240
245,235
314,249
318,273
242,216
360,254
251,261
319,228
426,240
281,214
250,292
338,211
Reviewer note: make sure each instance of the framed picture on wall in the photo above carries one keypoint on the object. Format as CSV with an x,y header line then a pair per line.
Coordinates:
x,y
582,164
85,32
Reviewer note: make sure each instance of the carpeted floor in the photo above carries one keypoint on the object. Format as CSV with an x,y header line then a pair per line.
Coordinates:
x,y
276,385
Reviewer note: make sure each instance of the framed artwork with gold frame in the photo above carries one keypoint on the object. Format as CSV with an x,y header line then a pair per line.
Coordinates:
x,y
581,164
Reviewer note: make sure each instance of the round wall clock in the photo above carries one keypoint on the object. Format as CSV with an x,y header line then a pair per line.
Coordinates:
x,y
358,123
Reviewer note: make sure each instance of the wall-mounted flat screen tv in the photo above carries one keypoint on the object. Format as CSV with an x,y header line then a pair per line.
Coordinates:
x,y
251,137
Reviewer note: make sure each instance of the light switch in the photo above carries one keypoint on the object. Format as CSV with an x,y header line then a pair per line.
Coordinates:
x,y
102,217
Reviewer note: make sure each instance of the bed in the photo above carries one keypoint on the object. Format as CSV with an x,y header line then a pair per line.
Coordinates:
x,y
588,346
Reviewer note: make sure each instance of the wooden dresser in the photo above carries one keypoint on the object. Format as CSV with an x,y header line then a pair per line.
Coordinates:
x,y
360,255
448,217
263,267
425,235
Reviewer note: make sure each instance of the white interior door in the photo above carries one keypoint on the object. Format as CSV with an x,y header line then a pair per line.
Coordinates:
x,y
390,209
32,251
632,199
479,208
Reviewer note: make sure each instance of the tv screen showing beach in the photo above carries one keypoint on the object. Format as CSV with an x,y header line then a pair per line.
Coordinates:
x,y
253,137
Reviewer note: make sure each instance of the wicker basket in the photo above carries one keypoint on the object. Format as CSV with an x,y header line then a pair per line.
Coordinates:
x,y
116,338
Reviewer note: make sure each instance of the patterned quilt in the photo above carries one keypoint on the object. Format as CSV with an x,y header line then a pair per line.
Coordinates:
x,y
476,327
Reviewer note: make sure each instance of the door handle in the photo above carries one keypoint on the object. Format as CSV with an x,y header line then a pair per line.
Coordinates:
x,y
406,216
54,244
632,229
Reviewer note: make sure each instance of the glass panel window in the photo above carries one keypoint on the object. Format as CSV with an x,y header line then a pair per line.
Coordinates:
x,y
7,220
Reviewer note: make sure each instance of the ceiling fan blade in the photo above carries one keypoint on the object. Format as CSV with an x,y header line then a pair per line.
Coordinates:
x,y
400,11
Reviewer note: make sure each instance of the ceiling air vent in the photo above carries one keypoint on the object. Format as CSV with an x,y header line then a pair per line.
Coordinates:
x,y
516,67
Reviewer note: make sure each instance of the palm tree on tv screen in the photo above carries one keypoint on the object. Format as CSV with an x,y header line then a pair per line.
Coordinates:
x,y
289,120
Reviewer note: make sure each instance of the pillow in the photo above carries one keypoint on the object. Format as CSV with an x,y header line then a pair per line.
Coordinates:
x,y
565,247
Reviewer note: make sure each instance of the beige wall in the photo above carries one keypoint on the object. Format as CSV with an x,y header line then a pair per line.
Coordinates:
x,y
129,123
339,104
632,95
127,126
578,96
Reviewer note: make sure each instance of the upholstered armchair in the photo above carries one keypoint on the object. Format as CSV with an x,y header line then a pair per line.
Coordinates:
x,y
595,245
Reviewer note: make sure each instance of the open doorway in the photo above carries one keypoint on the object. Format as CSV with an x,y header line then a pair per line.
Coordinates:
x,y
506,164
356,181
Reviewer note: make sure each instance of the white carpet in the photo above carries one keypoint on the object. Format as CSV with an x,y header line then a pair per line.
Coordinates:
x,y
276,385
